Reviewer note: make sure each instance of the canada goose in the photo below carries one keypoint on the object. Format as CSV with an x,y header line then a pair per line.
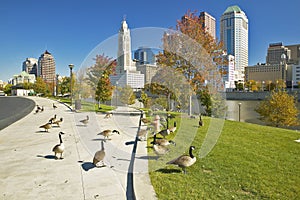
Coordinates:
x,y
160,149
42,109
145,120
108,115
59,148
107,133
162,142
57,122
52,119
142,134
46,126
54,106
184,161
85,121
173,129
201,123
164,132
99,156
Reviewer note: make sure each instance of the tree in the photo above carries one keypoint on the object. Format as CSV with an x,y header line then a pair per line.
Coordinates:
x,y
190,50
40,86
104,89
145,99
7,89
279,109
64,85
94,73
126,95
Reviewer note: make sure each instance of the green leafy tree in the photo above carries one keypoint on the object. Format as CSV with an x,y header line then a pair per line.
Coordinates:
x,y
145,99
7,89
279,109
40,86
104,89
127,95
64,85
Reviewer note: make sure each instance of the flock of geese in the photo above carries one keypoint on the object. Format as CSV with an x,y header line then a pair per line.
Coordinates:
x,y
161,145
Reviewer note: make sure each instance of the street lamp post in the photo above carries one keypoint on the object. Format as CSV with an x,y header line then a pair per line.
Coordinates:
x,y
71,66
117,93
239,111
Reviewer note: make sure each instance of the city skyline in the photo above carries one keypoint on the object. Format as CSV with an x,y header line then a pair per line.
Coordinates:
x,y
71,30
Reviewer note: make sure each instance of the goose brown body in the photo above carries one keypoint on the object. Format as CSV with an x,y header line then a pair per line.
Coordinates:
x,y
184,161
46,127
59,148
99,156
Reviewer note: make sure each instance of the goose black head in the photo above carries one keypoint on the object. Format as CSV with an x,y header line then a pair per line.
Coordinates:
x,y
115,131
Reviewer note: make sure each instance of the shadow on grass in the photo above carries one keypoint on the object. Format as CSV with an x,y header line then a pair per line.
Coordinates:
x,y
169,171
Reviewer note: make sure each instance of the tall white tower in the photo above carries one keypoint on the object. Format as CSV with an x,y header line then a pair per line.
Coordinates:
x,y
234,35
126,73
124,61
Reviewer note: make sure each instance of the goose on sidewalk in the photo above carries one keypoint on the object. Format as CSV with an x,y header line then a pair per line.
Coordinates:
x,y
85,121
107,133
59,148
99,157
58,122
46,127
184,161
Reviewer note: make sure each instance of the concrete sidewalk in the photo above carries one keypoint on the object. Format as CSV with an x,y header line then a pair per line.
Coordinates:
x,y
28,169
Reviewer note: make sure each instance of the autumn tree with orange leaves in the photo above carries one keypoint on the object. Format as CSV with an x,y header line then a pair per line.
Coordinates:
x,y
193,52
98,78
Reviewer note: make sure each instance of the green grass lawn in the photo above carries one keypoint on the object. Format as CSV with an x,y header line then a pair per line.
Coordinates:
x,y
248,162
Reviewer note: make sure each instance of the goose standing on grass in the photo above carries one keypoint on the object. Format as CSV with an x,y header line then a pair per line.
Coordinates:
x,y
142,134
162,142
160,150
201,123
85,121
59,148
58,122
107,133
145,120
173,129
184,161
99,156
46,126
164,132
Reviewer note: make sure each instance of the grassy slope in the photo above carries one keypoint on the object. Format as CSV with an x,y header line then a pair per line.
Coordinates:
x,y
248,162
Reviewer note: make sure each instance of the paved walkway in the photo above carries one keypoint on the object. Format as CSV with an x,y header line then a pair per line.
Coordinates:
x,y
28,169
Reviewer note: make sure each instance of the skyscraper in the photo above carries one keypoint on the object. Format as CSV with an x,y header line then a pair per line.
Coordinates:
x,y
209,23
124,61
234,35
30,66
126,73
46,67
144,55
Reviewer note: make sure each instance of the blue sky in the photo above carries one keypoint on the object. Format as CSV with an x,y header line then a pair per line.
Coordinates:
x,y
70,30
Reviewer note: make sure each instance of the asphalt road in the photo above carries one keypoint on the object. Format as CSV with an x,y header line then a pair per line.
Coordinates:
x,y
14,108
